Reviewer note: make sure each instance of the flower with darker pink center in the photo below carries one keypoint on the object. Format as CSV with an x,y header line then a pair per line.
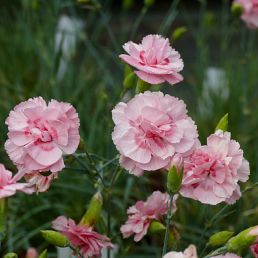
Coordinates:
x,y
155,60
40,134
89,242
142,214
250,12
9,186
150,129
212,172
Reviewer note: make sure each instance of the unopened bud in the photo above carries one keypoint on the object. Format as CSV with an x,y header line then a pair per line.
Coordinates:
x,y
243,240
93,212
149,2
237,9
142,86
178,33
156,227
11,255
130,81
223,123
220,238
128,4
174,179
43,254
55,238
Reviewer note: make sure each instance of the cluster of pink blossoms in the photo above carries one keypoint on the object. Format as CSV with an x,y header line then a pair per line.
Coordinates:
x,y
250,12
154,132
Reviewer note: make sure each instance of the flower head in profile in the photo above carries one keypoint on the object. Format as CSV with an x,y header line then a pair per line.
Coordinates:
x,y
9,186
212,172
150,129
40,134
142,214
250,12
189,252
155,60
89,242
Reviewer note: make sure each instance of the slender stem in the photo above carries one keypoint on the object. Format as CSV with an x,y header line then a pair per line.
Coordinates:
x,y
169,216
76,251
221,250
2,219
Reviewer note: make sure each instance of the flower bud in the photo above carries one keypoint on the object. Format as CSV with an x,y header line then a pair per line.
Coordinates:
x,y
243,240
156,227
31,253
11,255
128,4
178,33
237,9
43,254
149,2
220,238
174,179
55,238
222,124
142,86
93,212
129,81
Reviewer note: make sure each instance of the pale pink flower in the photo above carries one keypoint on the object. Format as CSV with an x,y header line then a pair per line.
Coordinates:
x,y
189,252
250,12
31,253
142,214
254,250
150,129
89,242
254,232
212,172
40,134
227,255
9,186
155,60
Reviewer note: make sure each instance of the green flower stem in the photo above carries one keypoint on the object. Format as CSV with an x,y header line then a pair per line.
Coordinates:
x,y
3,203
169,217
221,250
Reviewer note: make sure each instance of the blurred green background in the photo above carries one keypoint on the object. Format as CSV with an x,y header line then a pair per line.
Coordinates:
x,y
68,50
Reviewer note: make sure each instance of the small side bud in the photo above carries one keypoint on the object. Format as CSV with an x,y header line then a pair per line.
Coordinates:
x,y
174,179
237,9
128,4
11,255
222,124
149,3
130,81
241,242
43,254
93,212
55,238
142,86
220,238
156,227
178,33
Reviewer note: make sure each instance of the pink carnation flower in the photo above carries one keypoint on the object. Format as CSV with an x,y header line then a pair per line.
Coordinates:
x,y
89,242
189,252
9,186
40,134
212,171
250,12
31,253
150,129
155,60
142,214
